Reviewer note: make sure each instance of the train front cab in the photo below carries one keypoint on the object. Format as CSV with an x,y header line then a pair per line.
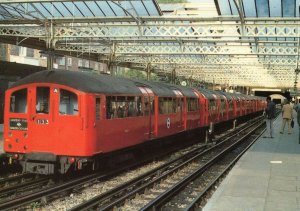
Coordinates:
x,y
43,120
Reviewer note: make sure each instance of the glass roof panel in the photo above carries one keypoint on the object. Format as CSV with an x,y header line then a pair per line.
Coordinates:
x,y
52,9
225,7
249,8
275,8
233,8
106,8
127,6
140,8
288,8
262,8
118,11
42,10
10,10
297,7
83,9
151,8
75,12
98,8
95,8
63,9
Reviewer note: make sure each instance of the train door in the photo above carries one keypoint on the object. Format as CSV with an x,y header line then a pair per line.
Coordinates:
x,y
148,105
179,108
40,121
71,119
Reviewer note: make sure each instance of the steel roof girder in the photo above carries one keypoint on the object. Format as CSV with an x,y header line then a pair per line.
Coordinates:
x,y
211,59
207,50
132,31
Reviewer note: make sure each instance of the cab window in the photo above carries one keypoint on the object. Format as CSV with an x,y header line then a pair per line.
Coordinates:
x,y
42,100
18,101
68,104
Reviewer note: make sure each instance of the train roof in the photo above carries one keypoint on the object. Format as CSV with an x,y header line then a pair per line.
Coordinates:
x,y
94,83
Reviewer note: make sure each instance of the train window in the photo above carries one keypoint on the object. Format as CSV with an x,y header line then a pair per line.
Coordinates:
x,y
238,104
223,105
178,105
68,104
97,108
193,104
18,101
212,105
230,105
42,100
167,105
146,106
121,107
152,104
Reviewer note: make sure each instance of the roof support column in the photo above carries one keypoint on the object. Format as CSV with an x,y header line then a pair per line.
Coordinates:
x,y
50,59
173,76
50,48
111,60
148,69
240,10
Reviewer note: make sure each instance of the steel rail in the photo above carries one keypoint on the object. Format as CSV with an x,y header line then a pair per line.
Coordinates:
x,y
136,182
9,190
199,197
4,181
141,189
68,186
46,192
163,198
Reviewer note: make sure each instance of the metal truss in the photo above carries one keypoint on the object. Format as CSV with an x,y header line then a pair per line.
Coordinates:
x,y
183,49
213,50
231,74
288,62
154,30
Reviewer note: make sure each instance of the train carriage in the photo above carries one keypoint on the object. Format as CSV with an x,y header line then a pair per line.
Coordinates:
x,y
58,119
230,103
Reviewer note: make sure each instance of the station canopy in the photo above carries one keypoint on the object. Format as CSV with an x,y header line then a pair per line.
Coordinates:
x,y
233,42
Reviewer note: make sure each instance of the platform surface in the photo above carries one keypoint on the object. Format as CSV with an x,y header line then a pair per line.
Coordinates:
x,y
266,178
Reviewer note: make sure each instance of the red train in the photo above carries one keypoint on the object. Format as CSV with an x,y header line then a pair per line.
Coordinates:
x,y
59,119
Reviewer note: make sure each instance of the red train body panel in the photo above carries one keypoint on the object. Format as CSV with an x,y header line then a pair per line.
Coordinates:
x,y
65,117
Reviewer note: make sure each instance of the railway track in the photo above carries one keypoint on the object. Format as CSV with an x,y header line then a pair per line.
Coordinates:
x,y
13,187
152,189
50,193
191,191
6,169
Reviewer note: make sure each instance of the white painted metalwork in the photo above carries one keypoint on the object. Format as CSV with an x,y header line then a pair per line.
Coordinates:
x,y
229,50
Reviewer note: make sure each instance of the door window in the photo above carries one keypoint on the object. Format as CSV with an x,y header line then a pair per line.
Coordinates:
x,y
42,100
68,104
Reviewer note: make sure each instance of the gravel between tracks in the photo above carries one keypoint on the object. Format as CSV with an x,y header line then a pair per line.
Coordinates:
x,y
97,189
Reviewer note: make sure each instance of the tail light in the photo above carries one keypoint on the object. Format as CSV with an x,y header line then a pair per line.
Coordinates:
x,y
16,156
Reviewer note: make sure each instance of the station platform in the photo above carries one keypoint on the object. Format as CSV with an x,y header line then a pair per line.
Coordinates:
x,y
266,178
